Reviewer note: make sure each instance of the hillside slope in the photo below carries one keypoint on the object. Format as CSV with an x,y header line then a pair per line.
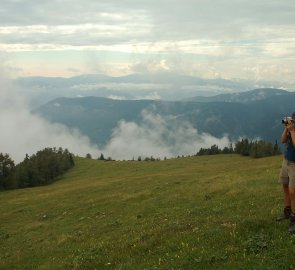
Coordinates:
x,y
209,212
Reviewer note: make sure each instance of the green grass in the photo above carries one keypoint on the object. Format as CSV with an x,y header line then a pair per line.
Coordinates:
x,y
209,212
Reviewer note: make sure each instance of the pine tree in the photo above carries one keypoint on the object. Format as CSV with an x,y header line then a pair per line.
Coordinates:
x,y
276,149
7,168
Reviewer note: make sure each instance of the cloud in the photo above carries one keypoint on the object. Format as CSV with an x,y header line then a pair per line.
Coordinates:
x,y
149,96
188,12
23,132
143,21
158,136
220,34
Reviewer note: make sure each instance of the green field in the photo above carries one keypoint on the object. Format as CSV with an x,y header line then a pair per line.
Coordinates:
x,y
209,212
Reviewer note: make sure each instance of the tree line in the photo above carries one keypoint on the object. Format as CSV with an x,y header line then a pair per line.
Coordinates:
x,y
39,169
245,147
46,165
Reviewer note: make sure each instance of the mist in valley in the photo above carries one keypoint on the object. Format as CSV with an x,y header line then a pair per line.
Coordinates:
x,y
23,132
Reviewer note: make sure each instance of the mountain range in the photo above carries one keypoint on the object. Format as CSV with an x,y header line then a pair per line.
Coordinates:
x,y
164,86
253,114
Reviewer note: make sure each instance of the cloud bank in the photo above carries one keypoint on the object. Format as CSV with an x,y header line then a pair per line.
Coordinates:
x,y
25,133
159,137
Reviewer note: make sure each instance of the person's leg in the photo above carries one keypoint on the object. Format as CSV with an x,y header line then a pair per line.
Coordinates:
x,y
287,203
291,173
292,219
292,198
287,199
284,180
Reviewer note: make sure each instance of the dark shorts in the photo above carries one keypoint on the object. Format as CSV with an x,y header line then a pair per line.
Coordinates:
x,y
287,173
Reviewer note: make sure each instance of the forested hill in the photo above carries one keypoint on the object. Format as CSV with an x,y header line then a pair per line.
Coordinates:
x,y
256,118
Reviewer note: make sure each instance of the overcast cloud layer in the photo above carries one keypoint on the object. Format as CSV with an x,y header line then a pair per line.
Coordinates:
x,y
216,39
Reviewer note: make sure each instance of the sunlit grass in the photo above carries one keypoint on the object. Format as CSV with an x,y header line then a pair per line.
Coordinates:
x,y
210,212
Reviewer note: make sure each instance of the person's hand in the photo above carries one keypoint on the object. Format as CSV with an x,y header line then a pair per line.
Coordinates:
x,y
290,126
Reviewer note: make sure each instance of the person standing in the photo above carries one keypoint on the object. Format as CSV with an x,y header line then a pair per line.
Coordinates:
x,y
287,173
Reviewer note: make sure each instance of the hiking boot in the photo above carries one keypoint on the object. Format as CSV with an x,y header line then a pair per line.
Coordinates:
x,y
285,215
292,224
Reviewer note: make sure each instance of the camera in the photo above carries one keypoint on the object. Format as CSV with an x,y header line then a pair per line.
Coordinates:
x,y
286,119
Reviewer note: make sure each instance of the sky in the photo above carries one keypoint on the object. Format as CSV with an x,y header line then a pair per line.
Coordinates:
x,y
228,39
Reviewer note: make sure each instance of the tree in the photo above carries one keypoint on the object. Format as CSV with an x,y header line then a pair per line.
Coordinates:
x,y
43,167
256,149
276,149
7,168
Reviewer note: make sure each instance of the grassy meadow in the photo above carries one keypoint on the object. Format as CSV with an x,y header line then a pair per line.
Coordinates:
x,y
207,212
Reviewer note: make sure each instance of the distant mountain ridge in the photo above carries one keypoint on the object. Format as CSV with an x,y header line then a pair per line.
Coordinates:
x,y
243,97
165,77
257,115
164,85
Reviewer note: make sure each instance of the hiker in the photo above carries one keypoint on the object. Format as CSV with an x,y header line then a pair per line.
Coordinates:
x,y
287,172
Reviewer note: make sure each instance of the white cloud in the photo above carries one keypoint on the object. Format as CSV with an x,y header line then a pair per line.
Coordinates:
x,y
117,97
158,137
23,132
196,32
153,96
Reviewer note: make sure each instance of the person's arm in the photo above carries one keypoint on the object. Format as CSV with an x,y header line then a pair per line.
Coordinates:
x,y
284,136
291,130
